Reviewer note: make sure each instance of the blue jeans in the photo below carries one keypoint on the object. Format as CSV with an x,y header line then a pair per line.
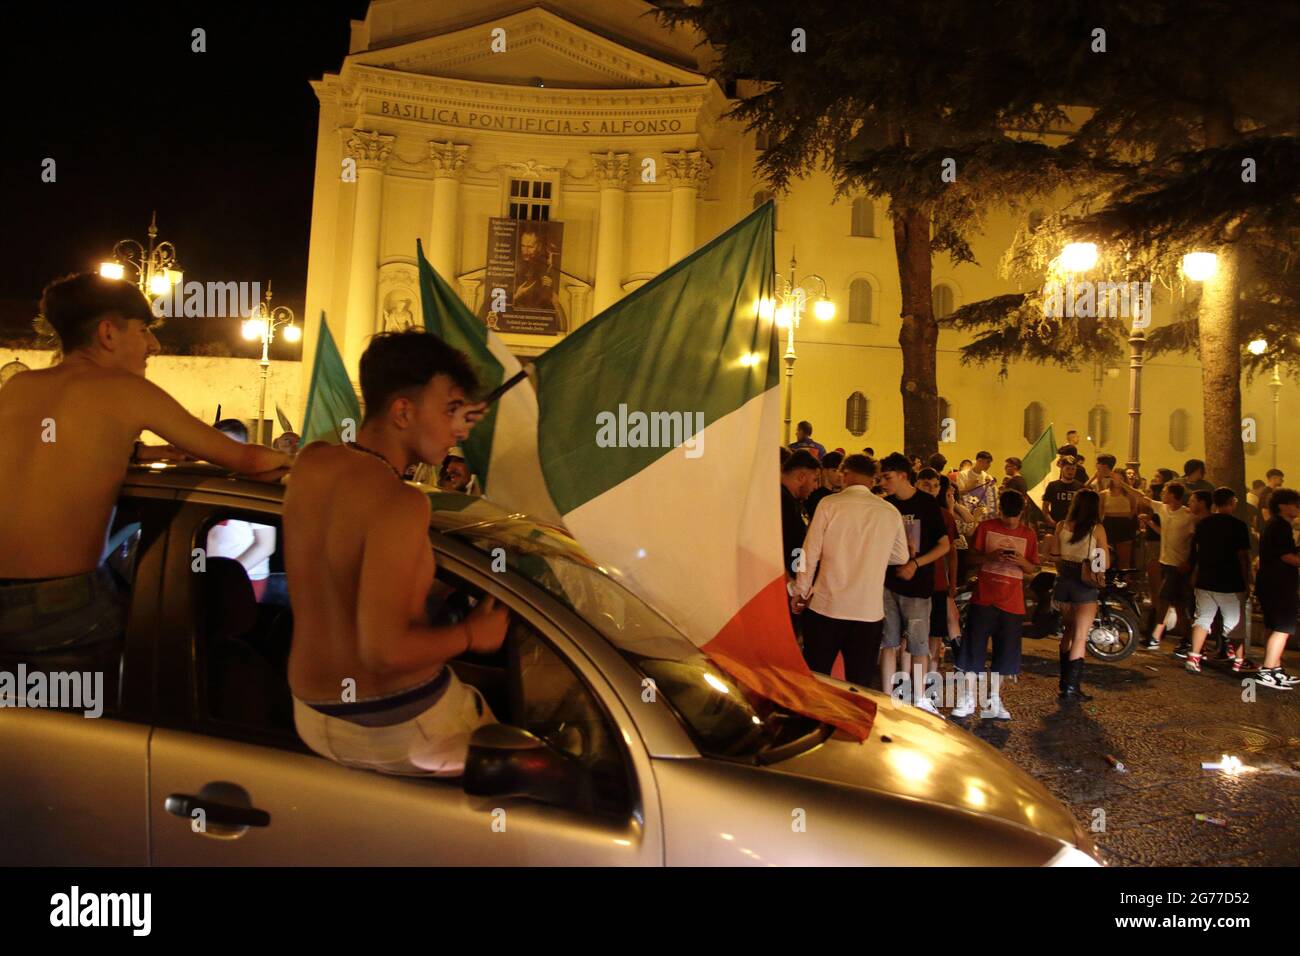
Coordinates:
x,y
55,614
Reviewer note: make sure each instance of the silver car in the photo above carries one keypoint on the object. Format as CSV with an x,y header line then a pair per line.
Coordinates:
x,y
619,743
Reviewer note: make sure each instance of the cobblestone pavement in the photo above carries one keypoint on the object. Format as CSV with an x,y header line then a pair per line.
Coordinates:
x,y
1161,722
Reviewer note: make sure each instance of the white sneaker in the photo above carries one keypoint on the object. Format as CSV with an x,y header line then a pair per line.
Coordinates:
x,y
927,705
965,707
996,711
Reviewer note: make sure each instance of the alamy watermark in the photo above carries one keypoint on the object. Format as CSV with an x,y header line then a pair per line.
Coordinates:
x,y
207,300
1100,300
947,690
59,690
651,430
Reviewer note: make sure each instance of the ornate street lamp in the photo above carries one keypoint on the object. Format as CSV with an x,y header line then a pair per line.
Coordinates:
x,y
154,267
791,300
262,324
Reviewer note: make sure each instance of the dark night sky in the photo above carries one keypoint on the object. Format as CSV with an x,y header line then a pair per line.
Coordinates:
x,y
221,143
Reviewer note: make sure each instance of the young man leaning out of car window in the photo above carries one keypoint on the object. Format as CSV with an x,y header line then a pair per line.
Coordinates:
x,y
369,675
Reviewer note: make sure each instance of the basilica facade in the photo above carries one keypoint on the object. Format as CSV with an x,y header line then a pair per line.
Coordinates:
x,y
581,148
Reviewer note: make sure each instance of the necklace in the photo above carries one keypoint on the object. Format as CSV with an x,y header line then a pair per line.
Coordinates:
x,y
371,451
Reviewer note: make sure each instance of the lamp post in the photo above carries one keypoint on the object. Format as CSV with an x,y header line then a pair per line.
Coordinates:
x,y
262,324
1137,342
154,267
791,298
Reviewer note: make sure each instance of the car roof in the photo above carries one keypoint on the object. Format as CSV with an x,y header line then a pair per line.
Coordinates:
x,y
451,512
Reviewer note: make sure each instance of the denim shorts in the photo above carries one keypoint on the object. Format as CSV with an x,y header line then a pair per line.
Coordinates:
x,y
1004,627
1070,587
910,615
56,614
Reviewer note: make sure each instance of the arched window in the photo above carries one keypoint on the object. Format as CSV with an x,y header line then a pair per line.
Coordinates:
x,y
1252,448
1179,429
855,414
1099,425
941,300
864,217
860,302
1035,421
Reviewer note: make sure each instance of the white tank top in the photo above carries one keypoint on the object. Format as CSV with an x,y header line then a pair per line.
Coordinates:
x,y
1074,550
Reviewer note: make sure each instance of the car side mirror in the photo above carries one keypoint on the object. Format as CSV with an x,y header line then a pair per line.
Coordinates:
x,y
505,761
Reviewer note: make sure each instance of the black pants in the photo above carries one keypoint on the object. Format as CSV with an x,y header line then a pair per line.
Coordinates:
x,y
858,641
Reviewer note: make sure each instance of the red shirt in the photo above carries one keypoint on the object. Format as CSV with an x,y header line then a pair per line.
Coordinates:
x,y
1001,583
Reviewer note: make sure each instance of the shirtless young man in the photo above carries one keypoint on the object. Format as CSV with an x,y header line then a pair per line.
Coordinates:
x,y
67,434
360,566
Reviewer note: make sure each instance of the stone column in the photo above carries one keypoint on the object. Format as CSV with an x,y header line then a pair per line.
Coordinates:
x,y
448,159
688,174
371,151
611,173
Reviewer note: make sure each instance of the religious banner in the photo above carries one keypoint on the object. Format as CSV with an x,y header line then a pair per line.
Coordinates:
x,y
521,284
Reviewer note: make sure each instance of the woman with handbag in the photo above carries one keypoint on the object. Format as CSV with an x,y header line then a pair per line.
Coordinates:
x,y
1082,557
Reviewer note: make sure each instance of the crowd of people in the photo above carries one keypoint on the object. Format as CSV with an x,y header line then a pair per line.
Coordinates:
x,y
876,551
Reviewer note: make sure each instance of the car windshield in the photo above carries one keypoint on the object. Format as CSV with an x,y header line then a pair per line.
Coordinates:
x,y
725,718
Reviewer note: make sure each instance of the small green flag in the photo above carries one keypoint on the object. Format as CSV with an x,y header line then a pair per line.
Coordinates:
x,y
331,402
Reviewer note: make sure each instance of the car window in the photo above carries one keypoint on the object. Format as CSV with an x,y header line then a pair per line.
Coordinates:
x,y
242,622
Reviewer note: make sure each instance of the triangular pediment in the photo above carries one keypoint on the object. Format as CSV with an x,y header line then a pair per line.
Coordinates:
x,y
539,46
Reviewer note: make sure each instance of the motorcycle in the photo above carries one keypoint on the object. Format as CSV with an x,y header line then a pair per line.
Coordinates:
x,y
1115,629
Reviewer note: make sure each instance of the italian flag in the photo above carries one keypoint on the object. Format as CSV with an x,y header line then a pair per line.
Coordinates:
x,y
1038,467
655,429
331,402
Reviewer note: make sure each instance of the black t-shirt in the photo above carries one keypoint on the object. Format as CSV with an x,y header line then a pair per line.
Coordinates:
x,y
923,522
1274,573
813,500
1215,545
793,527
1057,497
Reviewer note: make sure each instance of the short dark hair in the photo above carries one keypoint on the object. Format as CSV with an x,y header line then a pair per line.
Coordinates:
x,y
396,362
937,461
833,460
862,465
234,428
925,474
869,452
1223,496
1015,461
1107,460
1193,464
806,427
1274,471
897,461
800,459
1175,488
984,454
1166,473
1204,497
1257,483
1011,503
74,305
1067,450
1283,496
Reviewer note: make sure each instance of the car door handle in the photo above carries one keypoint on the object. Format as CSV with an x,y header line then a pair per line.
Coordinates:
x,y
222,814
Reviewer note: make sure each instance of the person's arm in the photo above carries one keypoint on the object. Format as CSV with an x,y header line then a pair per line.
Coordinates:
x,y
812,554
388,640
160,413
941,546
1028,562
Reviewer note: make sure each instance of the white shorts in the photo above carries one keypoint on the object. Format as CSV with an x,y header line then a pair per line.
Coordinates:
x,y
433,743
1208,602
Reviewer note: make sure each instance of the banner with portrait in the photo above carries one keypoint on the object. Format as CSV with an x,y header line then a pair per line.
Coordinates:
x,y
521,284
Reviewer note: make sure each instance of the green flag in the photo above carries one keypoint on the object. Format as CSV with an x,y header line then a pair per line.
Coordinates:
x,y
1039,466
331,402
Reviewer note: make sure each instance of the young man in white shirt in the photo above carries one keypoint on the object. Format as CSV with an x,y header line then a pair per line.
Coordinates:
x,y
1177,525
853,538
